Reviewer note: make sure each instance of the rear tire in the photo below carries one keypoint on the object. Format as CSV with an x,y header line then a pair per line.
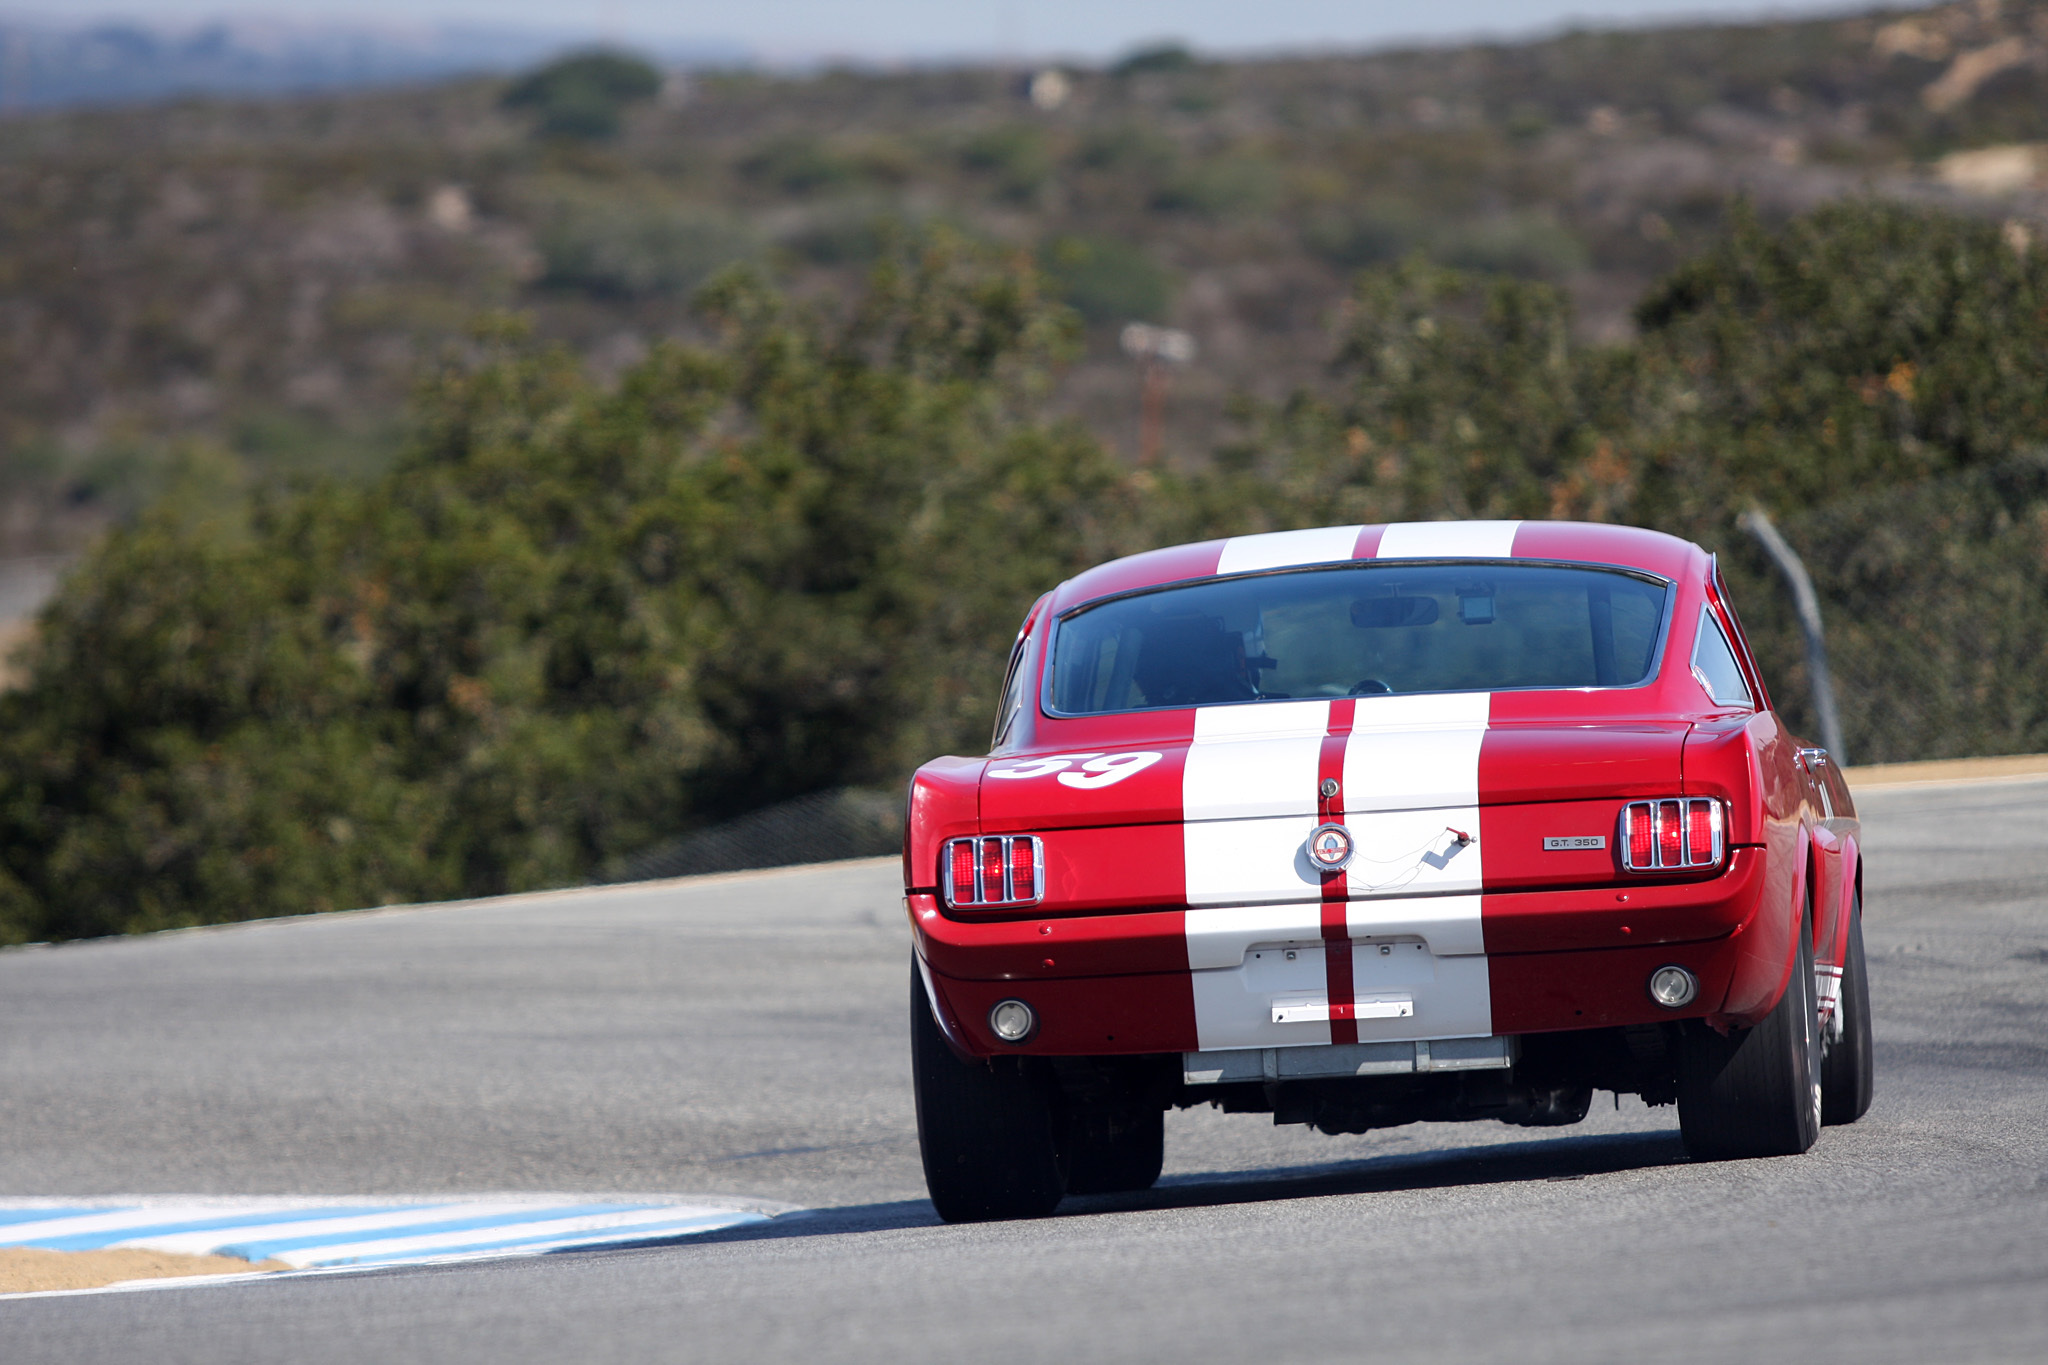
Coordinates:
x,y
1115,1153
1847,1072
985,1129
1757,1091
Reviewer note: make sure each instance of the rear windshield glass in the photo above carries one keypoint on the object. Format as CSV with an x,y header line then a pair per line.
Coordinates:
x,y
1356,631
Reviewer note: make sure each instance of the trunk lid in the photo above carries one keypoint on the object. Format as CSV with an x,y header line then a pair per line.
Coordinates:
x,y
1436,798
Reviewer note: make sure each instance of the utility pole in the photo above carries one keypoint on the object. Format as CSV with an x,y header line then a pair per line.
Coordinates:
x,y
1758,523
1155,348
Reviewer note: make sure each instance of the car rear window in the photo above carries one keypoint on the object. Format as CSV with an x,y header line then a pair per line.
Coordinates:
x,y
1359,630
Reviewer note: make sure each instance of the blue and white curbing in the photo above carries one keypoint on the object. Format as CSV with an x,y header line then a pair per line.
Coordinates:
x,y
326,1234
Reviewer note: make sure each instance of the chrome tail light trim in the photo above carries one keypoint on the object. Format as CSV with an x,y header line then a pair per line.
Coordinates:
x,y
1654,811
1009,849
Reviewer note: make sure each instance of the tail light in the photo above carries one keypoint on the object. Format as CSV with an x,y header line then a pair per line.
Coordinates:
x,y
994,870
1681,834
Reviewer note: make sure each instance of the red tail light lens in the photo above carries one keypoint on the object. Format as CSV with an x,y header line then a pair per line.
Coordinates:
x,y
959,867
1024,877
994,870
1669,834
1702,832
1681,834
1641,839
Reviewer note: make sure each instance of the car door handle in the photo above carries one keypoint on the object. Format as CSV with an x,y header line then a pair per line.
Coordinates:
x,y
1811,759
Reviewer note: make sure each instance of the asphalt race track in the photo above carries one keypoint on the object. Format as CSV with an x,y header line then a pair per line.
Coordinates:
x,y
745,1035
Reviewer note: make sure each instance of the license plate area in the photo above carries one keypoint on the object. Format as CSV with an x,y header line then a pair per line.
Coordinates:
x,y
1316,1009
1225,1066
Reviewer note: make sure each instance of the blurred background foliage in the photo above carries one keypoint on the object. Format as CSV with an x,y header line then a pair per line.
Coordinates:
x,y
266,277
1874,376
585,95
571,620
792,394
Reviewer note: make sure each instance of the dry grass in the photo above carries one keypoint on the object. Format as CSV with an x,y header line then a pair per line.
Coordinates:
x,y
1947,770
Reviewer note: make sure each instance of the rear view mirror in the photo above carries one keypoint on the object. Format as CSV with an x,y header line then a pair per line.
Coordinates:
x,y
1382,613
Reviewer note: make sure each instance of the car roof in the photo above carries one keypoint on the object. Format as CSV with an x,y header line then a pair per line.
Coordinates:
x,y
1572,541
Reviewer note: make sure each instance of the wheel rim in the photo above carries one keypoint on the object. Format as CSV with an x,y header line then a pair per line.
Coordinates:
x,y
1833,1026
1814,1043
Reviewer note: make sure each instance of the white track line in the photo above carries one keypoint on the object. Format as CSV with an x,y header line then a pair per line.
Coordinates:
x,y
209,1241
554,1231
364,1233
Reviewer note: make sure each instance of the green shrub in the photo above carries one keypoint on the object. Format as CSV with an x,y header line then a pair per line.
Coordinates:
x,y
1533,247
1225,187
1370,234
799,165
1877,376
584,95
1127,149
1162,57
1107,280
1935,599
628,245
1016,158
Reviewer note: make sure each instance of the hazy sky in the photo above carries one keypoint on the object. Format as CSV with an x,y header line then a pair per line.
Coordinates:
x,y
886,30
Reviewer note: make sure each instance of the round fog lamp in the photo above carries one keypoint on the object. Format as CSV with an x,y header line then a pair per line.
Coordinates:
x,y
1673,987
1012,1020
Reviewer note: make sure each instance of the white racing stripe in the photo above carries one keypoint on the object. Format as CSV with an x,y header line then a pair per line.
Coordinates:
x,y
1217,938
1411,775
1449,925
1285,549
1248,802
1249,862
1246,956
1253,926
1448,540
1410,787
1252,760
1416,751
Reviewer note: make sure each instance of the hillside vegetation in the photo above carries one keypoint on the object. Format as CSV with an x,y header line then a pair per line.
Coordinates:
x,y
574,601
260,280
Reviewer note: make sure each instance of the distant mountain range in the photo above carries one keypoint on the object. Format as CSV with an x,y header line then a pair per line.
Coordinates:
x,y
51,64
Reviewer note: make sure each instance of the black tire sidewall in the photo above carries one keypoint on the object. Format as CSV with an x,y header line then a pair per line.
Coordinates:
x,y
1806,1064
1754,1092
1848,1073
986,1131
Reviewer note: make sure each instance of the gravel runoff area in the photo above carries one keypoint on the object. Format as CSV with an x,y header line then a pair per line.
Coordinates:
x,y
746,1033
32,1270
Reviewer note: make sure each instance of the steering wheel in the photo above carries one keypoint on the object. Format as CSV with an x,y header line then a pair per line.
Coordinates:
x,y
1369,687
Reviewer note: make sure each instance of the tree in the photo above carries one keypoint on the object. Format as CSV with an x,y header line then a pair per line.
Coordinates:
x,y
584,95
571,622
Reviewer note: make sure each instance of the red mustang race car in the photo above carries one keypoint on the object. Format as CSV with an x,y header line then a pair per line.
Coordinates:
x,y
1367,825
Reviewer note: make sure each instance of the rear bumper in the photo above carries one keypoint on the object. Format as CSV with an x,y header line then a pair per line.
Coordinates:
x,y
1499,964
